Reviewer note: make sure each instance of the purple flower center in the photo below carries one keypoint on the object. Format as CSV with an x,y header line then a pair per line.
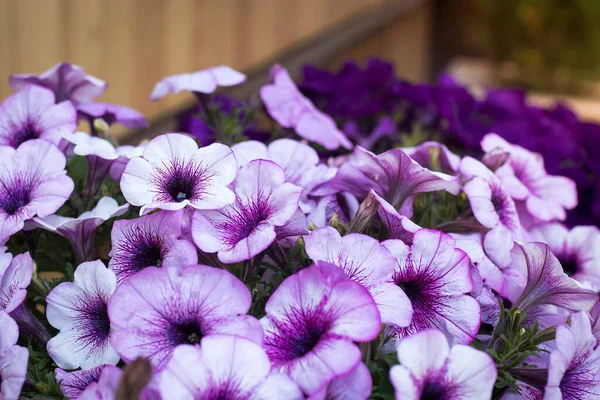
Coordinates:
x,y
180,181
433,391
569,265
297,334
243,220
26,133
93,322
412,289
501,203
14,195
137,250
185,333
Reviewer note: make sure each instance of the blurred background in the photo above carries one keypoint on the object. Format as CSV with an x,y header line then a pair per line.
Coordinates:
x,y
551,47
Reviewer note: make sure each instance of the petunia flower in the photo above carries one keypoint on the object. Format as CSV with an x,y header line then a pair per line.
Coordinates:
x,y
158,309
73,384
33,181
149,241
299,161
245,228
80,231
436,277
100,155
430,368
356,384
174,173
15,276
343,205
105,388
205,81
494,208
578,249
574,366
311,322
31,114
13,359
291,109
67,81
546,281
525,178
398,226
365,261
78,310
112,114
434,156
392,175
224,366
125,153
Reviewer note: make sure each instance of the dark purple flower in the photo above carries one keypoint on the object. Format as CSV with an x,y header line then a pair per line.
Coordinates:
x,y
312,320
291,109
224,367
436,277
112,114
33,181
431,369
240,231
174,173
149,241
80,231
67,81
158,309
31,114
79,311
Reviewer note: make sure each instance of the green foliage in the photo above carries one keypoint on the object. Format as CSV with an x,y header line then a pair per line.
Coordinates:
x,y
432,209
40,375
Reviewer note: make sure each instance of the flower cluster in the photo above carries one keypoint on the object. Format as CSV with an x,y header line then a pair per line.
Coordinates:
x,y
335,257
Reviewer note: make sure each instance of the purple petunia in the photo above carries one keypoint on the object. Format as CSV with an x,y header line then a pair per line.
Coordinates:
x,y
173,173
434,156
392,175
264,202
149,241
224,367
546,281
80,231
67,81
574,367
288,106
312,320
546,197
31,114
355,385
205,81
436,277
578,249
112,114
158,309
431,369
493,208
13,359
364,260
33,182
79,310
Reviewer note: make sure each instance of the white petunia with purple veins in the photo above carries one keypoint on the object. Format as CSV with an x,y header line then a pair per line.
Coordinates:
x,y
79,311
149,241
436,277
432,369
15,276
158,309
264,201
205,81
312,320
364,260
73,384
224,367
174,173
33,181
13,359
80,231
31,114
